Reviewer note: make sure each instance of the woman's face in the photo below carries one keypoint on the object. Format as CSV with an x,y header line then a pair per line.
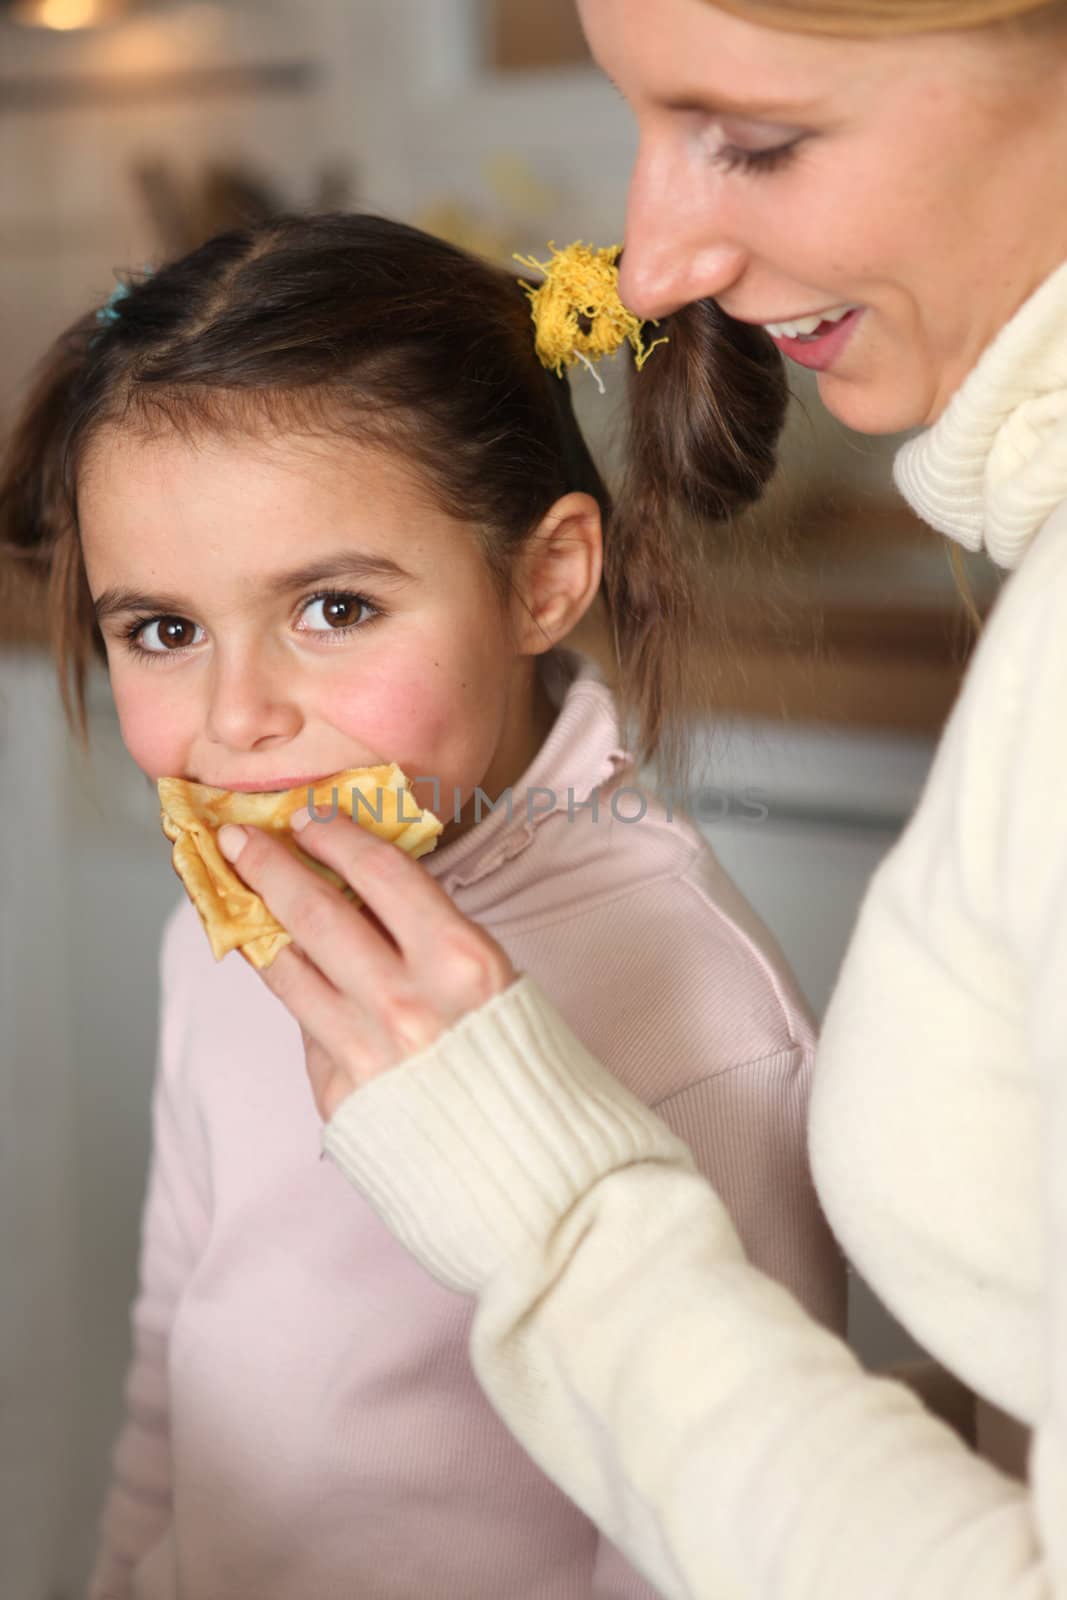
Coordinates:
x,y
898,198
231,667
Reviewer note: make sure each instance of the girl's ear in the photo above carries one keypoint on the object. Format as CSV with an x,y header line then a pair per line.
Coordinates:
x,y
557,575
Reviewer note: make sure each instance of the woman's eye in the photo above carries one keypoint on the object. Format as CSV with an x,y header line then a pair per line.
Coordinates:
x,y
732,158
332,613
753,150
167,633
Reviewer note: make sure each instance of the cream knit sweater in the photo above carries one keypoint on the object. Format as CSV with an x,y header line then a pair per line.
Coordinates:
x,y
734,1449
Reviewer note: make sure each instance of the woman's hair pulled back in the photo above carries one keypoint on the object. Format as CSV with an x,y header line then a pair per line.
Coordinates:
x,y
377,333
872,17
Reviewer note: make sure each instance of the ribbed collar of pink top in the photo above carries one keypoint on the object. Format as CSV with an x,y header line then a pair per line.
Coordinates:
x,y
993,468
582,752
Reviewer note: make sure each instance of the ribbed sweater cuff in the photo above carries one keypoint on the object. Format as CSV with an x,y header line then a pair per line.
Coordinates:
x,y
476,1148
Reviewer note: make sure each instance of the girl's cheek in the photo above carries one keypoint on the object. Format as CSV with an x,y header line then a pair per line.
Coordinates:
x,y
436,721
394,714
154,742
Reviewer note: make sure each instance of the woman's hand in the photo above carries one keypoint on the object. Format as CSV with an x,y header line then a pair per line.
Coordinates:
x,y
367,991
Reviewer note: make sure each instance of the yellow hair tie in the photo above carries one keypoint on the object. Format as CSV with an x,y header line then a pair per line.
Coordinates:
x,y
577,311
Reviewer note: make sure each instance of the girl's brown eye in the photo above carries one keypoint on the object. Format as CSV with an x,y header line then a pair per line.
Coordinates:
x,y
152,638
174,632
334,613
166,633
338,610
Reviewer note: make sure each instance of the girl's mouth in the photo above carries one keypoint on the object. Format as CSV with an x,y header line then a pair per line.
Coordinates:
x,y
267,786
818,340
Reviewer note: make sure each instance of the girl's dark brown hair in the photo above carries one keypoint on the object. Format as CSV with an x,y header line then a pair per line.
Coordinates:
x,y
378,332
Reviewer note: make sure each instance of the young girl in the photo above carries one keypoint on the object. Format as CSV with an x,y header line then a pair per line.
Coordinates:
x,y
311,494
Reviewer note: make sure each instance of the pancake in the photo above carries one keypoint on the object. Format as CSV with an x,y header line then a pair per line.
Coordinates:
x,y
234,917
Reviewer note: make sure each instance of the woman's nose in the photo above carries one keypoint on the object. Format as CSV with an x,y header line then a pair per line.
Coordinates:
x,y
251,704
675,251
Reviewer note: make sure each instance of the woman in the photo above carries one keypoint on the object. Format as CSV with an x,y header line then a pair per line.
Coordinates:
x,y
880,183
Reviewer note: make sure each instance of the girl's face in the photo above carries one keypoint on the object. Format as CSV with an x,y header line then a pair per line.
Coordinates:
x,y
277,611
912,184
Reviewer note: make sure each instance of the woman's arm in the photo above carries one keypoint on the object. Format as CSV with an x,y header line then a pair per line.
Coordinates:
x,y
746,1129
174,1225
728,1444
720,1437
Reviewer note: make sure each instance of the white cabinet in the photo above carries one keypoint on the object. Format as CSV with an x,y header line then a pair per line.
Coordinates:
x,y
87,883
38,1347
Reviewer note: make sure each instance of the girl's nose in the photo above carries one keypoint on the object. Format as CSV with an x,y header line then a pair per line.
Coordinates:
x,y
675,251
251,704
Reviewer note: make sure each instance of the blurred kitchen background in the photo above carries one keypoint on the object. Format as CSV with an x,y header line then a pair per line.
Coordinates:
x,y
127,132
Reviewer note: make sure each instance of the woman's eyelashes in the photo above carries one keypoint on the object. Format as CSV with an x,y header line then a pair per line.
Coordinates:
x,y
741,151
733,158
338,615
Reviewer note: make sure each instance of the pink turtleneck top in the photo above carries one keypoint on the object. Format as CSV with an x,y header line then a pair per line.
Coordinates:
x,y
302,1421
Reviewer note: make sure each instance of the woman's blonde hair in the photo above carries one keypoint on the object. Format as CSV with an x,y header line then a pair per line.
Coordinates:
x,y
867,17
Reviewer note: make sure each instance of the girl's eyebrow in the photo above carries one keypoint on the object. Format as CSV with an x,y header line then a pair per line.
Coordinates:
x,y
344,567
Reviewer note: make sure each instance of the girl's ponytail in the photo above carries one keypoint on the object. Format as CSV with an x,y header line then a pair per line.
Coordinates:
x,y
39,547
706,413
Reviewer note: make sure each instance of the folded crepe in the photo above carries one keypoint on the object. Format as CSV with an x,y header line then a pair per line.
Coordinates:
x,y
234,917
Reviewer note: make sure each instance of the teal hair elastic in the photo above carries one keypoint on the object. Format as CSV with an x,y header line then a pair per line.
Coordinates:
x,y
109,313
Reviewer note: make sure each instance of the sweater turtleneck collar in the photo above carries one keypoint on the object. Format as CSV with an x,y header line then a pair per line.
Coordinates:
x,y
994,466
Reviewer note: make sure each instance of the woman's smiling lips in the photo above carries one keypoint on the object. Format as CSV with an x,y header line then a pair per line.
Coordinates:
x,y
808,324
817,338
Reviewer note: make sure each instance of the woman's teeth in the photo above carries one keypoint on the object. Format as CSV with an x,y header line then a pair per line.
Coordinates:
x,y
806,327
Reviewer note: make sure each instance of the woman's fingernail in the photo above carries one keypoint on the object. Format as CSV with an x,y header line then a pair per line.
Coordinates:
x,y
231,840
300,819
